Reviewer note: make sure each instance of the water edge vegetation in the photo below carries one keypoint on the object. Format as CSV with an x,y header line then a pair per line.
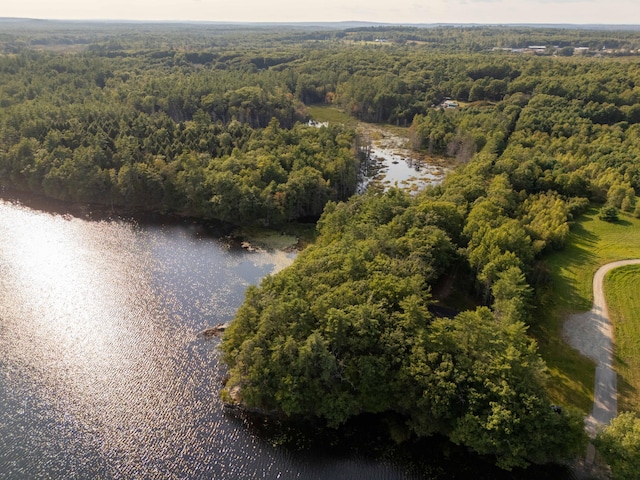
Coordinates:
x,y
211,123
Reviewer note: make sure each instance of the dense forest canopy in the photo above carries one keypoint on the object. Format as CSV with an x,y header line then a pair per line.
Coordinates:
x,y
172,125
210,121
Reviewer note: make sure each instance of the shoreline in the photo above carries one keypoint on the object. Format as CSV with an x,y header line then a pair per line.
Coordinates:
x,y
235,235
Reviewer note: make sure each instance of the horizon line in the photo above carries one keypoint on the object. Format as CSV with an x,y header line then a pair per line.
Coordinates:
x,y
319,22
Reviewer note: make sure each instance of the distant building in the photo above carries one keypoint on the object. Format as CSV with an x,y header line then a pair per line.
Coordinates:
x,y
537,48
450,104
313,123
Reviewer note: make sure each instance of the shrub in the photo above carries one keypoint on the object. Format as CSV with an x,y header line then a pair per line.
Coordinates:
x,y
619,444
608,213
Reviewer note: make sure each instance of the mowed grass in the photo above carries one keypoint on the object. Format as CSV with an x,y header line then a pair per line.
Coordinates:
x,y
591,244
621,287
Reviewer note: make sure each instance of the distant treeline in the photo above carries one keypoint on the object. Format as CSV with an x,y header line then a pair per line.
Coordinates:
x,y
119,125
18,34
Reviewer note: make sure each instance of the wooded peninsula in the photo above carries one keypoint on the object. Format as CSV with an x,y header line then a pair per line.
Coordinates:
x,y
539,127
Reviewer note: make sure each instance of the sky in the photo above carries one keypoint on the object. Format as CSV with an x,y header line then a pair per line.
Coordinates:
x,y
386,11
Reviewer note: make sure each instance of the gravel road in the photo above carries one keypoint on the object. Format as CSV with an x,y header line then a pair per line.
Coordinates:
x,y
591,334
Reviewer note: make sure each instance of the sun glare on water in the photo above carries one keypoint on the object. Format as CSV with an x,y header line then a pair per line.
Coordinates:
x,y
69,309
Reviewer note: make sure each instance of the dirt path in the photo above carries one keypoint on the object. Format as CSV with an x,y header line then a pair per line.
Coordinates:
x,y
592,335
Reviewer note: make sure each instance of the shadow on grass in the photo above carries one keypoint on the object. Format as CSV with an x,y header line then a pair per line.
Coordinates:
x,y
582,234
571,374
624,223
591,243
621,362
626,391
566,266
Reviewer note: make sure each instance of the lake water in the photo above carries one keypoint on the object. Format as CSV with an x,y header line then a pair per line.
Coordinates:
x,y
102,371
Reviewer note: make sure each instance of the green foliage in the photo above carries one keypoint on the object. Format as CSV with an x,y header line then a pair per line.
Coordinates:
x,y
608,213
159,110
344,318
621,197
619,444
347,331
545,218
512,296
210,122
486,379
221,146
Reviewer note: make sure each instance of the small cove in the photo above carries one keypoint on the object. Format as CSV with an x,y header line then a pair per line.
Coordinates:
x,y
103,373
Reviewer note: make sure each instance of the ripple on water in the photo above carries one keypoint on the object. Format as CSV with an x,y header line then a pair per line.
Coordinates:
x,y
102,373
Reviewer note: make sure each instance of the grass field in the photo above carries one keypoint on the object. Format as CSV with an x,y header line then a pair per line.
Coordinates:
x,y
621,287
591,244
331,114
326,113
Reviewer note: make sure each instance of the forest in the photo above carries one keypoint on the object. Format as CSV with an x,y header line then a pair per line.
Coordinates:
x,y
211,123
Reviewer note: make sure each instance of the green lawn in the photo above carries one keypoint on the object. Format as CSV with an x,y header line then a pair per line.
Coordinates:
x,y
591,244
621,288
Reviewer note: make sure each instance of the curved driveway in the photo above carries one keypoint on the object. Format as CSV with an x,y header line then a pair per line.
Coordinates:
x,y
591,334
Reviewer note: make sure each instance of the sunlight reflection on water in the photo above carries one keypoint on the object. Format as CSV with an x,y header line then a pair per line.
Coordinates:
x,y
102,371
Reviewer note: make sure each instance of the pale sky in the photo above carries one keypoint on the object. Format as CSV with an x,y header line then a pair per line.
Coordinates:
x,y
392,11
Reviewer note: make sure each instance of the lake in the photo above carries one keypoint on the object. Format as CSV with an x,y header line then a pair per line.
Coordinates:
x,y
103,373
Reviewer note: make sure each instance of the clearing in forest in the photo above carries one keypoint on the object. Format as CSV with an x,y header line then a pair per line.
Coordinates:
x,y
591,244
